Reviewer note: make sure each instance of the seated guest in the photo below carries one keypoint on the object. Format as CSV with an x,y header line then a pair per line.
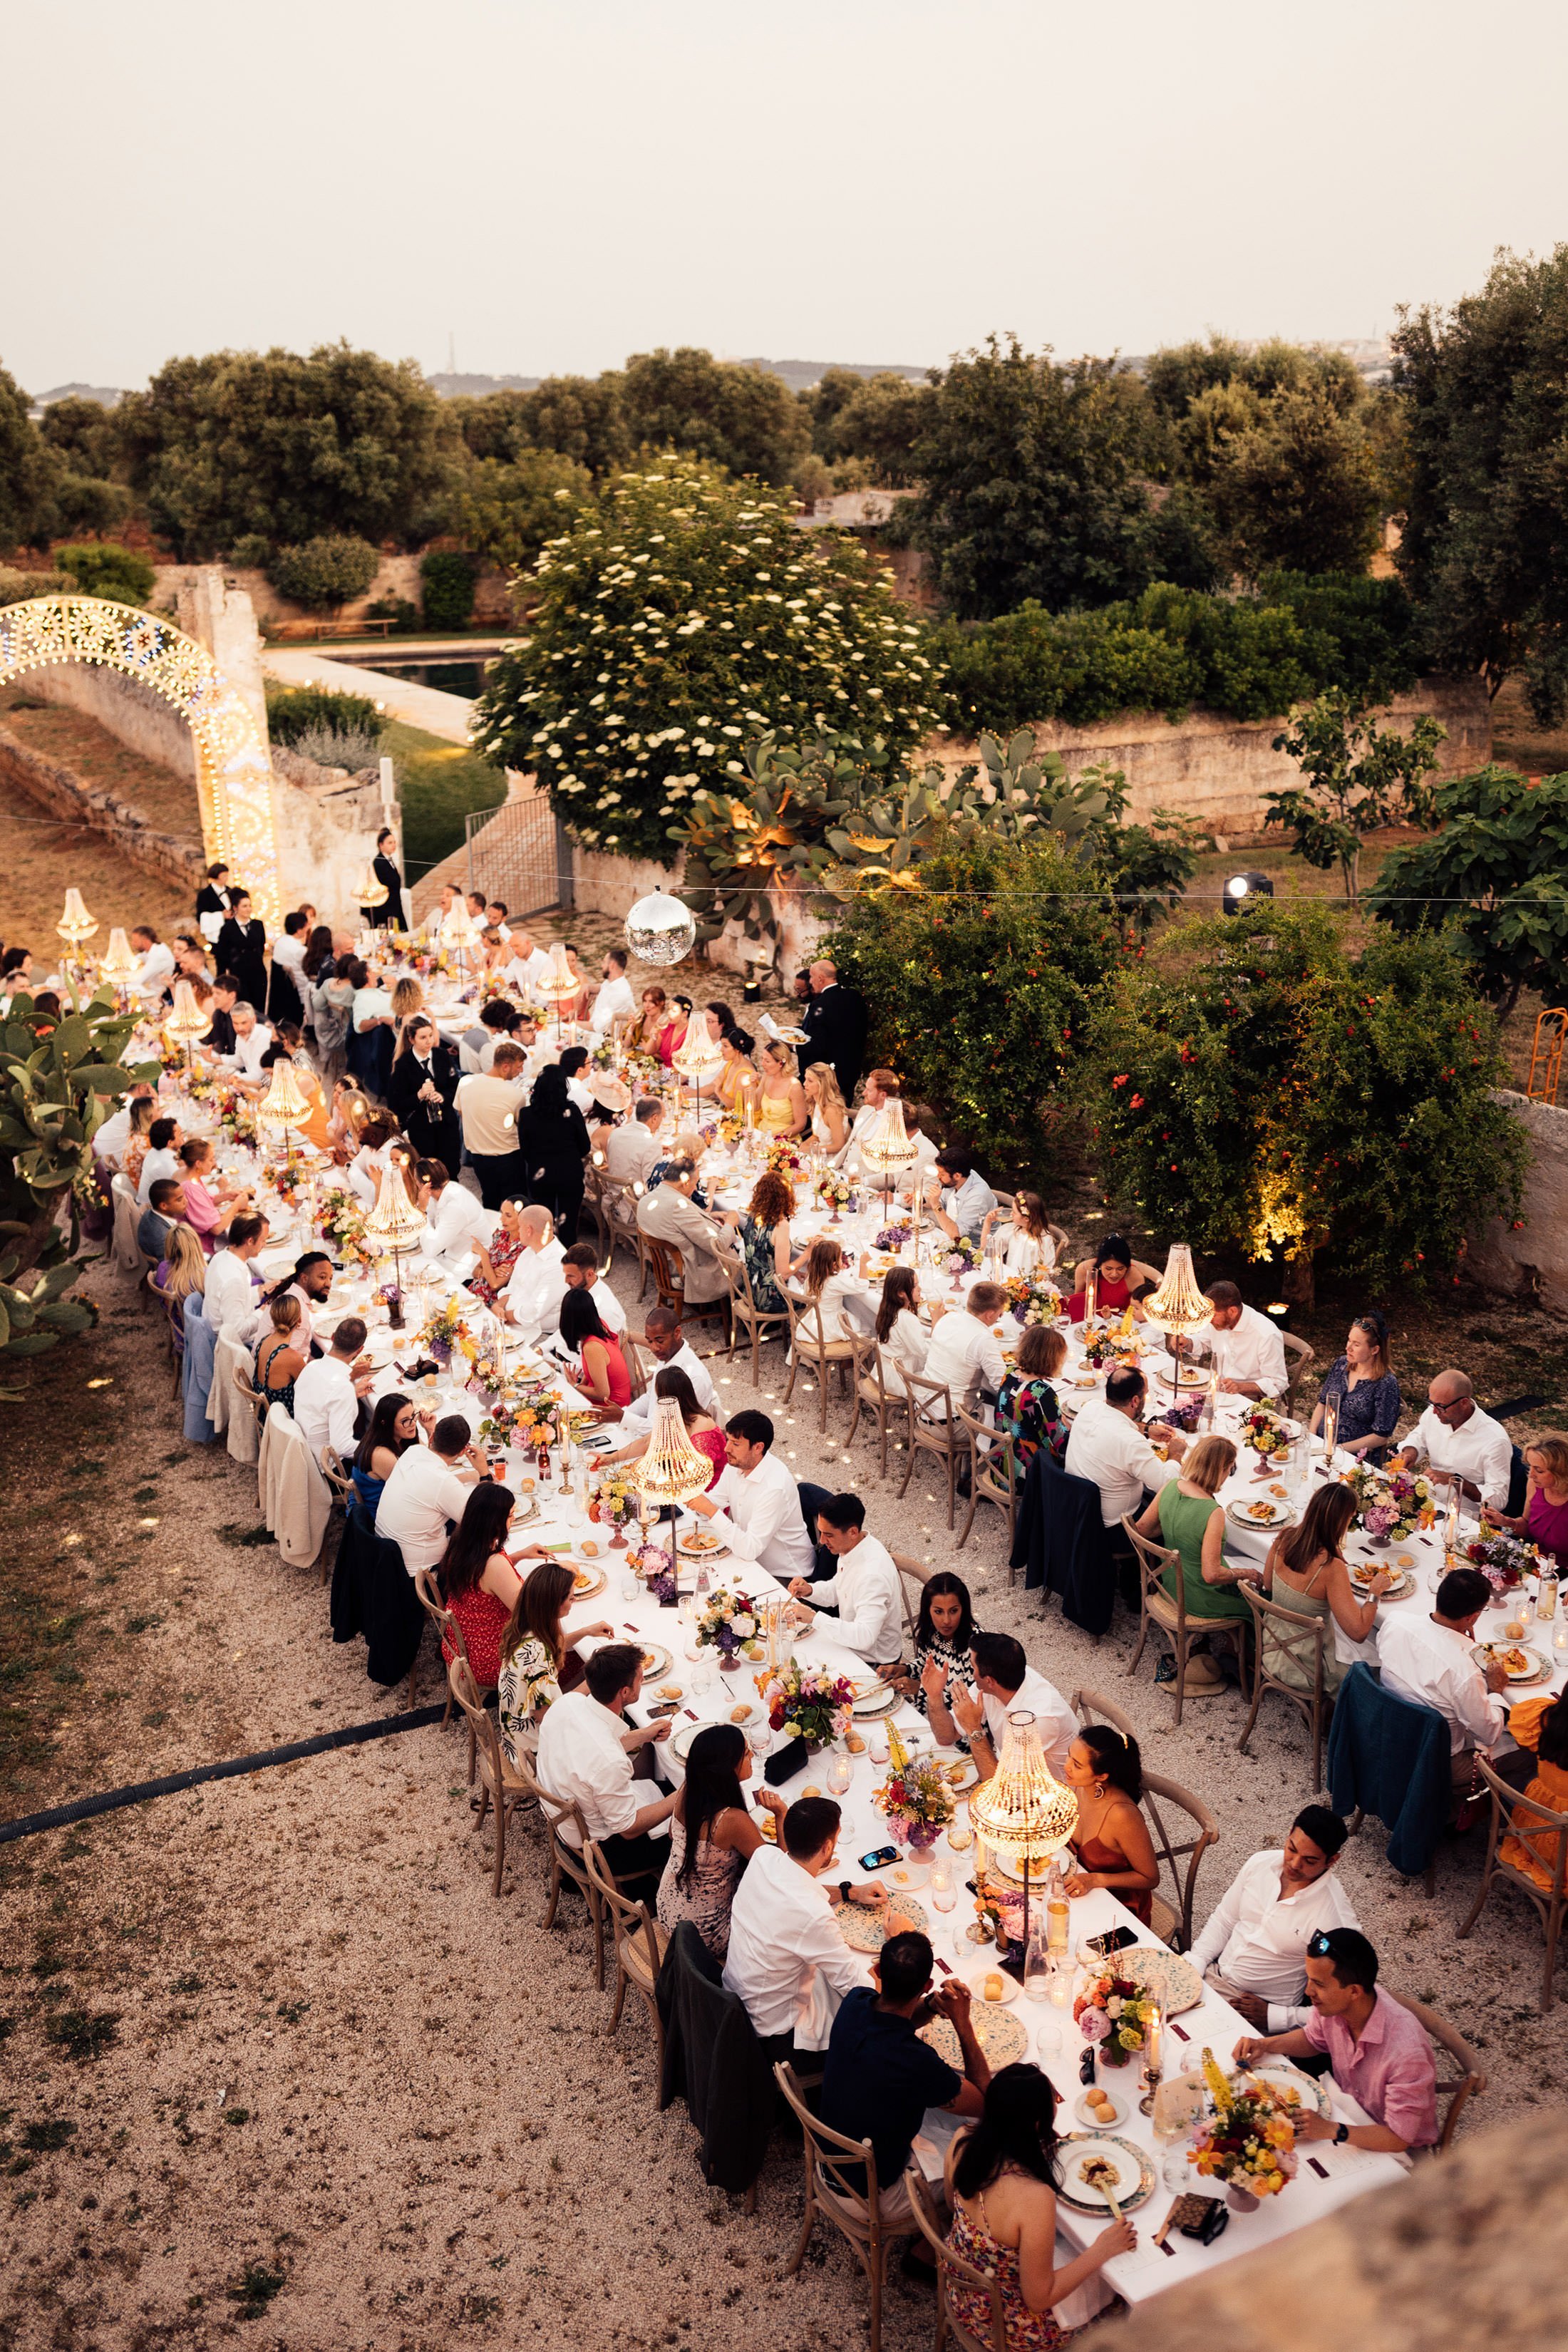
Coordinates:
x,y
394,1429
1107,1446
762,1231
494,1259
585,1751
633,1146
252,1038
1001,2184
1306,1572
1361,1387
1247,1352
1111,1844
787,1960
182,1270
209,1209
310,1282
1004,1683
829,1111
478,1582
754,1509
1460,1444
900,1334
155,963
685,1144
582,1272
676,1030
459,1220
426,1492
1186,1518
668,1213
833,1289
1027,1246
230,1301
1119,1279
138,1109
664,1340
603,1380
138,1139
1541,1727
645,1032
161,1158
780,1098
1027,1403
881,2077
880,1087
280,1356
165,1206
1253,1947
944,1658
1545,1520
712,1836
965,1356
864,1591
737,1076
615,1002
378,1143
537,1285
538,1658
957,1196
1429,1659
329,1393
700,1427
1378,2053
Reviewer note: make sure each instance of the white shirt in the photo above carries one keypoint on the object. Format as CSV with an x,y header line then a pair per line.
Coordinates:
x,y
781,1931
1251,1350
155,965
963,1355
581,1762
247,1051
253,1331
843,1294
458,1223
325,1406
1431,1666
631,1152
1054,1718
527,971
611,1313
870,1600
1024,1253
535,1291
638,1417
615,1002
759,1517
370,1005
578,1091
1107,1448
154,1168
288,949
1482,1451
230,1294
1258,1938
110,1140
907,1345
421,1494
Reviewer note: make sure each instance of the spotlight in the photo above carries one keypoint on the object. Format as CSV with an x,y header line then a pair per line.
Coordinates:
x,y
1243,887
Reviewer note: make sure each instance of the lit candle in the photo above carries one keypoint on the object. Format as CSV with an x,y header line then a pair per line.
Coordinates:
x,y
1088,1302
1151,2043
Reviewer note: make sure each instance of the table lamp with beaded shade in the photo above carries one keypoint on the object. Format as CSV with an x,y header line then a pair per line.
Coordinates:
x,y
461,933
887,1150
560,985
1178,1306
1023,1811
393,1226
185,1021
284,1105
118,965
671,1471
699,1056
76,926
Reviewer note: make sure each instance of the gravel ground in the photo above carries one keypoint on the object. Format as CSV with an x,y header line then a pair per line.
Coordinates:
x,y
324,2084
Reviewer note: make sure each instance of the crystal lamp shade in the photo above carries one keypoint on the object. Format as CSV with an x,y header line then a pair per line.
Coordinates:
x,y
186,1018
1178,1306
660,930
1023,1811
76,924
118,964
672,1470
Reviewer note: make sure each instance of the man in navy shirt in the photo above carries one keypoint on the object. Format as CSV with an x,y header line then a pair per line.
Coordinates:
x,y
881,2077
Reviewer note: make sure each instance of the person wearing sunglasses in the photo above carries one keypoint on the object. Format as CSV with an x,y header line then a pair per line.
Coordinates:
x,y
1377,2050
1461,1445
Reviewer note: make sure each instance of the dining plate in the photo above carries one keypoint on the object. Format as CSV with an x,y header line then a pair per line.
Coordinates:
x,y
882,1702
977,1974
1003,2039
681,1740
1175,1982
1262,1511
698,1545
656,1662
1519,1662
1362,1572
1189,1377
903,1877
1309,2093
1134,2171
586,1581
863,1931
1120,2111
1084,1380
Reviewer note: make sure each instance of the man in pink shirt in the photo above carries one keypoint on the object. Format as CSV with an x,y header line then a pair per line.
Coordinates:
x,y
1377,2051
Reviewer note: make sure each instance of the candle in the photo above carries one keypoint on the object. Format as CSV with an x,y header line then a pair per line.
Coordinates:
x,y
1088,1302
1151,2043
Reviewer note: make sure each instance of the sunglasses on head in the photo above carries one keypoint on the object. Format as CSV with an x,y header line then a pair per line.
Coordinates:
x,y
1319,1946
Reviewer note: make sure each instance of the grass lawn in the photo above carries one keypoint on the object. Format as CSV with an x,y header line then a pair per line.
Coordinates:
x,y
438,784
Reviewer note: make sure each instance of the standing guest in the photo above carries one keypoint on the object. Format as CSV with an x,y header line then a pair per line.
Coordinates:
x,y
1000,2179
426,1492
155,964
712,1836
1005,1683
212,902
1025,1239
669,1214
479,1583
230,1299
583,1272
646,1030
393,1428
422,1089
835,1023
538,1285
829,1111
785,1944
571,1065
1247,1349
1120,1279
285,996
1107,1446
965,1356
881,2077
208,1212
633,1146
944,1651
754,1509
280,1357
494,1259
1253,1947
1545,1520
1378,2053
538,1658
864,1591
614,1001
487,1108
220,1029
387,871
252,1041
762,1229
1361,1387
160,1159
665,1342
1111,1841
901,1334
242,948
1430,1660
701,1428
459,1220
1027,1403
165,1206
781,1099
329,1393
1540,1725
1461,1444
332,1008
1306,1572
138,1138
585,1759
1186,1516
604,1379
552,1139
957,1196
371,1028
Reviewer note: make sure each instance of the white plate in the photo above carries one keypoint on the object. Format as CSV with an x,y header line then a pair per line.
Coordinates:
x,y
1120,2111
974,1973
1309,2091
1262,1512
1535,1666
903,1877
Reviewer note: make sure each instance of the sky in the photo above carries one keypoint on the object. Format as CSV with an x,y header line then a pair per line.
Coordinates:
x,y
552,184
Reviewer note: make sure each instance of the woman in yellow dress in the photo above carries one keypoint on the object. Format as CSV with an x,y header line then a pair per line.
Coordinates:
x,y
781,1101
738,1079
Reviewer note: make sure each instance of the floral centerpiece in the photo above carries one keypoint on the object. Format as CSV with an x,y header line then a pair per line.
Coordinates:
x,y
956,1256
237,1119
1264,1432
1250,2141
1032,1297
918,1801
783,1158
1388,1508
728,1623
342,1225
288,1178
1113,2013
835,1191
1502,1560
446,1335
1114,1345
892,1237
615,1501
807,1703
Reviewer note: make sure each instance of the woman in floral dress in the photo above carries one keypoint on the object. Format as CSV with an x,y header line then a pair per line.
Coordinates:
x,y
538,1658
1026,1406
944,1632
494,1263
711,1836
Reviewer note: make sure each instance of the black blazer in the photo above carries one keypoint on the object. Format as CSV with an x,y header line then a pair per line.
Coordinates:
x,y
835,1025
386,873
211,900
553,1145
407,1077
241,949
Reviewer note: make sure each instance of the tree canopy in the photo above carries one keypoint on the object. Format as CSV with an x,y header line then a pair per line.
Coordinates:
x,y
742,418
1496,873
28,472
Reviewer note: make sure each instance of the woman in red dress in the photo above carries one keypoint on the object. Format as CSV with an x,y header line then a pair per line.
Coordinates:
x,y
478,1582
1110,1844
606,1379
700,1427
1120,1280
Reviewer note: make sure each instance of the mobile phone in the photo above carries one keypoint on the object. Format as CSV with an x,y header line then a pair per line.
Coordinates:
x,y
664,1706
1116,1940
879,1860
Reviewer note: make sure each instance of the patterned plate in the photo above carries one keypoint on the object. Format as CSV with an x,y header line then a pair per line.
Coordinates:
x,y
1175,1982
1134,2171
863,1930
587,1582
1263,1512
880,1702
1503,1653
1360,1575
1002,2038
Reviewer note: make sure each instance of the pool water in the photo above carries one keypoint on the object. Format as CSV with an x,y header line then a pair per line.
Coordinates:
x,y
464,677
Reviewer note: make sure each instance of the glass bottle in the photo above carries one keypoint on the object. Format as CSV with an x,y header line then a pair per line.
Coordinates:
x,y
1058,1913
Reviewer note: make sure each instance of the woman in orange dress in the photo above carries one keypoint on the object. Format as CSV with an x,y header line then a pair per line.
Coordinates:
x,y
1111,1844
1540,1723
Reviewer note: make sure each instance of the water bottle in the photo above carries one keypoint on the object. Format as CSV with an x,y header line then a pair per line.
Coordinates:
x,y
1546,1595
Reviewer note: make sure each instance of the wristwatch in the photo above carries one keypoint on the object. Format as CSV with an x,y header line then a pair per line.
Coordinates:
x,y
844,1887
1341,2133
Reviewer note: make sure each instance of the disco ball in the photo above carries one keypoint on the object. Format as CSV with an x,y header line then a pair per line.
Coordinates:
x,y
660,930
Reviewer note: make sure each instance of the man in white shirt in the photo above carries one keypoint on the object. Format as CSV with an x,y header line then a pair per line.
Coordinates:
x,y
865,1590
329,1391
1430,1661
229,1300
1248,1350
965,1355
585,1750
957,1196
787,1960
495,919
526,969
879,1085
614,1001
459,1220
580,1268
1461,1443
1107,1447
531,1299
110,1140
427,1486
251,1039
310,1284
1253,1950
155,964
1008,1684
634,1146
162,1159
754,1504
666,1343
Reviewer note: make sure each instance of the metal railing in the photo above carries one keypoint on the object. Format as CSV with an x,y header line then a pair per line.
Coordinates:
x,y
519,853
1546,1054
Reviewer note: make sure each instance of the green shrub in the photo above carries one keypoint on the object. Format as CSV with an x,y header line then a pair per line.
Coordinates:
x,y
448,579
400,610
86,502
108,571
19,587
296,710
324,572
250,552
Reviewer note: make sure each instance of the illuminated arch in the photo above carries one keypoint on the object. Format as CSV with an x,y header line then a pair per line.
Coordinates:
x,y
234,774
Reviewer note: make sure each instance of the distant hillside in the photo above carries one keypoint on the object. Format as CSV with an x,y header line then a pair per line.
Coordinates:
x,y
104,393
475,387
801,374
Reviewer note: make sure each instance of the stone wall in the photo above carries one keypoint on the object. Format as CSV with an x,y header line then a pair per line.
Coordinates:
x,y
325,821
132,713
65,794
1530,1260
397,578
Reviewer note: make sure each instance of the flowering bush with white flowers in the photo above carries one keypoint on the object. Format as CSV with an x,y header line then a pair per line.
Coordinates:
x,y
682,614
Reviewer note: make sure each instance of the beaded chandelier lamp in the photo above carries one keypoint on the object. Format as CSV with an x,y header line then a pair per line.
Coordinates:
x,y
393,1226
1023,1810
1178,1307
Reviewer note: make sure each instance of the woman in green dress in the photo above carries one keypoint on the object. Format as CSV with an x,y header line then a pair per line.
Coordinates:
x,y
1186,1516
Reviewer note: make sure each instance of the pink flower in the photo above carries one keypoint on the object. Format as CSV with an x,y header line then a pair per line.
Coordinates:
x,y
1094,2026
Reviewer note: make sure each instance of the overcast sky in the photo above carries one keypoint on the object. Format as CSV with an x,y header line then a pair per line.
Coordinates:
x,y
558,182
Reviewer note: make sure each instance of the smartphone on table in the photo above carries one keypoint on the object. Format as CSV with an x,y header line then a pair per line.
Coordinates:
x,y
879,1860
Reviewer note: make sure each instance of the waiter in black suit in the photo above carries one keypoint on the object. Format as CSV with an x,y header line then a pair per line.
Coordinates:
x,y
214,900
421,1090
835,1024
387,873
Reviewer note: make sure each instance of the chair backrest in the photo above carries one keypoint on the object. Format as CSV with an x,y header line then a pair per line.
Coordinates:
x,y
557,1813
1515,1814
806,1335
632,1923
1293,1639
1163,1798
950,2267
481,1723
669,1271
1469,2081
933,1404
636,1363
1298,1356
912,1575
1154,1560
435,1609
847,2166
1091,1707
337,1472
991,1455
